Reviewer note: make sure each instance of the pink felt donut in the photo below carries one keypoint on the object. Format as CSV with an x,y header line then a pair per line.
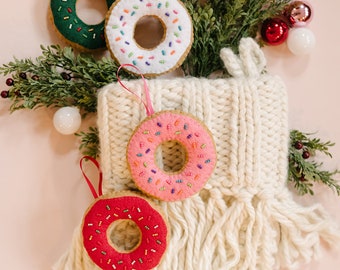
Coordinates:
x,y
97,225
200,155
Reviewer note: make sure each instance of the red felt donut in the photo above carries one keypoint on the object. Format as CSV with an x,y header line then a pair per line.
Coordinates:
x,y
97,228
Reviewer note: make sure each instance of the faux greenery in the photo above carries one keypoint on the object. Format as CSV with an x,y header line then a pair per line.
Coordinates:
x,y
61,77
218,24
58,78
304,173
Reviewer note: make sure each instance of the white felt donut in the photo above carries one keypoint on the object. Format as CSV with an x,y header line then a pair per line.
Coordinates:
x,y
169,54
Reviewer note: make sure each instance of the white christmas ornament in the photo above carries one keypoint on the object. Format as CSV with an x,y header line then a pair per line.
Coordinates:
x,y
67,120
301,41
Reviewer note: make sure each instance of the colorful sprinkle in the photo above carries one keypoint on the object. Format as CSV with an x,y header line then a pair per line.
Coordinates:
x,y
158,133
159,5
167,14
133,13
149,180
189,136
199,166
147,151
139,155
203,146
145,164
207,161
154,171
159,124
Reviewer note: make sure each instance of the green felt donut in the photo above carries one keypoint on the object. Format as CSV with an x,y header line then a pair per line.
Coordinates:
x,y
73,29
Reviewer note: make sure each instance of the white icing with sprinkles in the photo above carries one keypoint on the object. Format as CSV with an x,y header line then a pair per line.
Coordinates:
x,y
169,54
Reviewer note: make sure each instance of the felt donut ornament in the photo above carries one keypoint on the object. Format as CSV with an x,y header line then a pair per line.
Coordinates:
x,y
76,32
168,126
110,210
173,48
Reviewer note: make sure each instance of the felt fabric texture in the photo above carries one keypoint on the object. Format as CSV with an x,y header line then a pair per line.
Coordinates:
x,y
156,132
97,227
169,54
245,217
75,31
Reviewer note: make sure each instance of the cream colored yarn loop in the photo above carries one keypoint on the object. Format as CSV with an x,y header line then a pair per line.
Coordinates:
x,y
245,216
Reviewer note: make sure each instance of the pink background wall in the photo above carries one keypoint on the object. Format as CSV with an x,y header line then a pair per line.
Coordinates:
x,y
43,195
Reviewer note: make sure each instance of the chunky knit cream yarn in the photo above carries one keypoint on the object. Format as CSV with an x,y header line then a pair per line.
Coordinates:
x,y
245,217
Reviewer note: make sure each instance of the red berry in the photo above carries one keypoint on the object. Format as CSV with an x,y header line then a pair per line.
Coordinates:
x,y
4,94
9,82
298,145
66,76
23,75
305,154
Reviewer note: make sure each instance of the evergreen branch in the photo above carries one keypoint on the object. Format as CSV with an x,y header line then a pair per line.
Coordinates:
x,y
59,77
89,142
304,173
219,24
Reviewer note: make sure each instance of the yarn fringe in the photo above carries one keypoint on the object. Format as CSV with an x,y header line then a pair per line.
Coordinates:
x,y
218,231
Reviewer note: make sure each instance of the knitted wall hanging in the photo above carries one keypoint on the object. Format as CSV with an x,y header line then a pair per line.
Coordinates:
x,y
244,217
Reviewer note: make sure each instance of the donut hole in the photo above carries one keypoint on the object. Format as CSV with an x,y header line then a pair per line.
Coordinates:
x,y
91,12
149,32
171,156
124,235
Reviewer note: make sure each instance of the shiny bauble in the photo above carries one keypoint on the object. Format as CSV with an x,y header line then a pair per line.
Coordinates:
x,y
301,41
67,120
274,31
298,13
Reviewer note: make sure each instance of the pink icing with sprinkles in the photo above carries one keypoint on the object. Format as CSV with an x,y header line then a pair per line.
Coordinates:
x,y
192,135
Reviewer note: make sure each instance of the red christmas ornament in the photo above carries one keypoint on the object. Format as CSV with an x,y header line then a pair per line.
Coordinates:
x,y
274,31
298,13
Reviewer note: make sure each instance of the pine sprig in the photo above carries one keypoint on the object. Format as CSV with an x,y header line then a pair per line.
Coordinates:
x,y
305,173
59,77
219,24
89,145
